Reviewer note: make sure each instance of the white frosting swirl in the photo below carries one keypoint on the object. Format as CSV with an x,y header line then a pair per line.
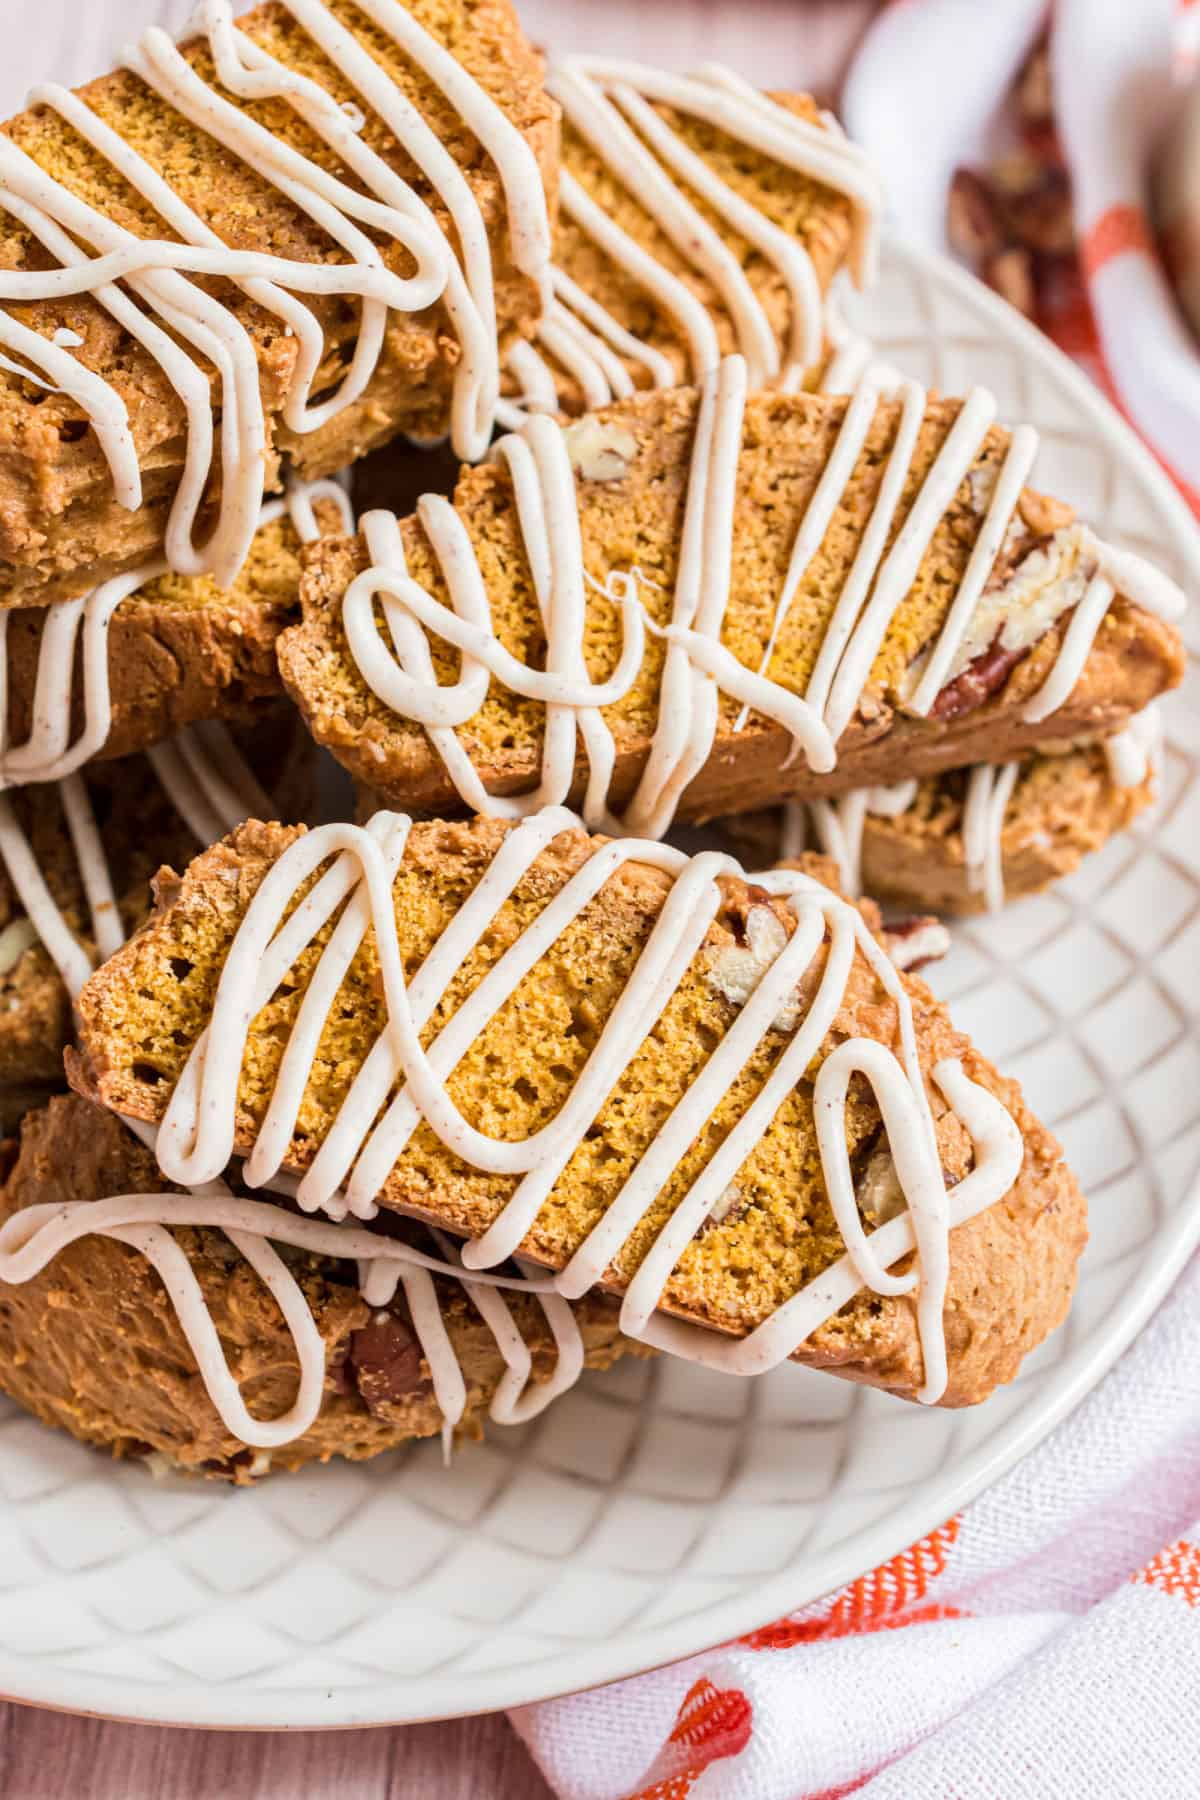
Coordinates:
x,y
614,106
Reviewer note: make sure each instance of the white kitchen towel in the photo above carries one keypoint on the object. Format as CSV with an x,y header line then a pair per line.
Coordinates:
x,y
1045,1641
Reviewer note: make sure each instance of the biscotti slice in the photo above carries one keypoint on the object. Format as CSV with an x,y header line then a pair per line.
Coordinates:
x,y
691,604
627,1065
76,858
147,654
92,1339
969,840
295,233
696,217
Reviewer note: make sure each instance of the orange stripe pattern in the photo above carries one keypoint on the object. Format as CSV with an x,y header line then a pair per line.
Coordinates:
x,y
1121,229
1175,1571
879,1601
712,1723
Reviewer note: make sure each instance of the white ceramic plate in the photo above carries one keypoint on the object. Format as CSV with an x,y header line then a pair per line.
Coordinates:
x,y
659,1509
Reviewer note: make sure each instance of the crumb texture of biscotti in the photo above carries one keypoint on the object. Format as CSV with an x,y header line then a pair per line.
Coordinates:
x,y
1012,1267
60,528
93,1344
634,520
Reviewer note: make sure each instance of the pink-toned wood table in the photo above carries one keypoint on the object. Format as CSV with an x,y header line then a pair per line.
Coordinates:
x,y
45,1756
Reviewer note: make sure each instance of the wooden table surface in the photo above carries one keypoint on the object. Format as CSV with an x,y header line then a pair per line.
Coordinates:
x,y
44,1755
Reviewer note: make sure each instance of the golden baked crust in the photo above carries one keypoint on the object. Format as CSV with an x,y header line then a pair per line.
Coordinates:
x,y
636,522
60,528
92,1344
1063,807
1012,1267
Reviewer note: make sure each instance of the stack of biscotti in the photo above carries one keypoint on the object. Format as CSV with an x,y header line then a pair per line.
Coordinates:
x,y
727,562
330,223
193,152
145,571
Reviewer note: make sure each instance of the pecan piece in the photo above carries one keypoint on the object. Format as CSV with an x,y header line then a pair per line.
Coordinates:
x,y
978,682
972,217
385,1359
726,1209
1040,217
916,941
1034,90
1010,273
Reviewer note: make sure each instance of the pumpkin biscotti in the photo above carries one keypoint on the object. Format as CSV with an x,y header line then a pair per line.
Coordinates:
x,y
92,1343
721,1101
697,217
149,654
297,233
691,604
970,839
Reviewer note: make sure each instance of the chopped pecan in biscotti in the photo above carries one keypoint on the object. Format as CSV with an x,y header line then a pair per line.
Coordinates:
x,y
981,678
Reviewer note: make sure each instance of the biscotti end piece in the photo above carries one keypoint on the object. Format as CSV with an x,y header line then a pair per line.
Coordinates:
x,y
61,528
1063,807
1011,1266
631,512
93,1343
179,650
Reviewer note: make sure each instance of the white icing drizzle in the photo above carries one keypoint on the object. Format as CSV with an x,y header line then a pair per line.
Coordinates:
x,y
359,864
698,666
81,627
611,105
148,285
208,781
1132,755
839,826
211,787
30,1240
1135,753
989,790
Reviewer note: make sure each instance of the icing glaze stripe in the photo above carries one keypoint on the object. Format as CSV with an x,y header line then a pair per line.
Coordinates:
x,y
1132,756
612,107
213,789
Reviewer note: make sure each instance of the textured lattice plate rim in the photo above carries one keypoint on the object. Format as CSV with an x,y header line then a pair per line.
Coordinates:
x,y
1048,1397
